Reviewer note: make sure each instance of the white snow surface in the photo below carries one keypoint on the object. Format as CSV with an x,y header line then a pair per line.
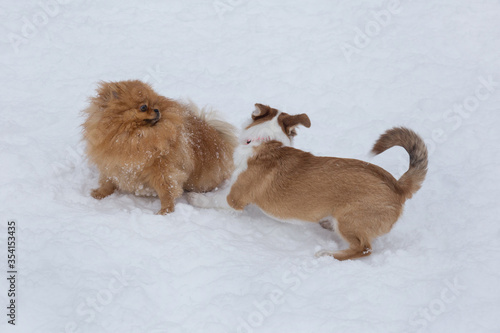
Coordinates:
x,y
356,68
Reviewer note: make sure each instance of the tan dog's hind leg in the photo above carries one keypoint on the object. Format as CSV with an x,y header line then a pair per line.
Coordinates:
x,y
360,224
353,230
357,249
106,187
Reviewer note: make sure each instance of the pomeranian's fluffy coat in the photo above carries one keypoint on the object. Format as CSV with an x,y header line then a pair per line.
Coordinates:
x,y
357,199
148,144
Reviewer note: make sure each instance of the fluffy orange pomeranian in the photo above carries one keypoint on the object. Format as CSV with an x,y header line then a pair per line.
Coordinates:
x,y
148,144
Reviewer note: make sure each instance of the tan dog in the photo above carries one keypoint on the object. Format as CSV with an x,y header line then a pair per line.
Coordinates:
x,y
357,199
148,144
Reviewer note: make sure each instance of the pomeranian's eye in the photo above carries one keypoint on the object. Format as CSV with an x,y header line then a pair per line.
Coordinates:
x,y
144,108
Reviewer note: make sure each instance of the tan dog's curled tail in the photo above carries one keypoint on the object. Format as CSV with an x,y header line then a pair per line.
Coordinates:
x,y
412,180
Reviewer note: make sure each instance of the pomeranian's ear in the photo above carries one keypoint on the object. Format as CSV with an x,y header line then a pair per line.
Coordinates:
x,y
289,123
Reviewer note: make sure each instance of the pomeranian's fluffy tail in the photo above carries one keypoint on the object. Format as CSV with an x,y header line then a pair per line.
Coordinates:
x,y
412,180
211,117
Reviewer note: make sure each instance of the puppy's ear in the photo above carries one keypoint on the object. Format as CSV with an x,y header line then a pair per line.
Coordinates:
x,y
260,111
291,122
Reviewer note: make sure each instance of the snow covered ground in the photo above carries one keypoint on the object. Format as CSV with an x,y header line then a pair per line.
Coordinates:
x,y
356,68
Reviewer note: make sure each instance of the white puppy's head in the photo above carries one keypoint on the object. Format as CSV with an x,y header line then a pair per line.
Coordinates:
x,y
271,124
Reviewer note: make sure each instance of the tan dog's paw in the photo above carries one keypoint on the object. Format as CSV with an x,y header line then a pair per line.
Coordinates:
x,y
235,202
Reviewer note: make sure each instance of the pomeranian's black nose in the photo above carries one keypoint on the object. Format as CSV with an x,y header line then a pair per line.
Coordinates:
x,y
157,117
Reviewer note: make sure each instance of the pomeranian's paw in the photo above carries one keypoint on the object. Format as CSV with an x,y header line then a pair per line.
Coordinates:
x,y
166,210
100,193
198,199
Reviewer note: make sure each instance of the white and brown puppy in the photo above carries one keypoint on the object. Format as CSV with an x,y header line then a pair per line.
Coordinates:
x,y
357,199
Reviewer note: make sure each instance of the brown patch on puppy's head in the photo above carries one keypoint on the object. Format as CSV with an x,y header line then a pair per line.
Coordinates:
x,y
268,124
262,114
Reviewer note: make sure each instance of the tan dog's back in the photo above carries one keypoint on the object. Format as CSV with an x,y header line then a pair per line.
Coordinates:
x,y
293,184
